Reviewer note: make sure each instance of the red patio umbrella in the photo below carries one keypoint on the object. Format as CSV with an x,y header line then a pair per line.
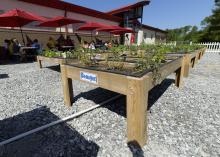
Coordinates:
x,y
122,31
18,18
110,28
59,21
91,26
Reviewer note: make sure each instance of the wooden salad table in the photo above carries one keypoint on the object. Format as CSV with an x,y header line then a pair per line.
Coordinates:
x,y
136,90
190,59
55,60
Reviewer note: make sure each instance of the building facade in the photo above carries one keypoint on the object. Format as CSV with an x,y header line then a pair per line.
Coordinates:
x,y
151,35
129,16
132,16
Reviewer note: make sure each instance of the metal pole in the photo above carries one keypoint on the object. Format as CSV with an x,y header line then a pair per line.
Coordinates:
x,y
91,35
22,36
66,27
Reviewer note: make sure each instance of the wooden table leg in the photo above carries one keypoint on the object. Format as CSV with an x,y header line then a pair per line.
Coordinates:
x,y
197,58
179,75
193,62
200,55
186,65
137,98
67,87
39,63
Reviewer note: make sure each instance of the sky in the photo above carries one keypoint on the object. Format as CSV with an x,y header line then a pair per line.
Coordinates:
x,y
163,14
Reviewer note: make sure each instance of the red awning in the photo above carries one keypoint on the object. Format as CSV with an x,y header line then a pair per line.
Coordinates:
x,y
90,26
59,21
18,18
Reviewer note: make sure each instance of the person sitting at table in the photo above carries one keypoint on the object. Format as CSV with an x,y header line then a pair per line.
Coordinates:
x,y
86,45
16,46
6,49
37,46
109,45
92,45
52,43
61,41
11,47
68,41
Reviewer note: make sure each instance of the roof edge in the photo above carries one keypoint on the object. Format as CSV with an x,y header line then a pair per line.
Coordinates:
x,y
129,6
153,28
57,4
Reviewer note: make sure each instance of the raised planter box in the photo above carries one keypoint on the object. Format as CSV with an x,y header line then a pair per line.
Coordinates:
x,y
54,60
190,59
135,88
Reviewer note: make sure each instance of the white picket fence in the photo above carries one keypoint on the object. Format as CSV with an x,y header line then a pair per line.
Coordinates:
x,y
212,47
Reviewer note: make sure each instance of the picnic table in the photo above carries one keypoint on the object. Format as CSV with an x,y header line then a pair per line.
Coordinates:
x,y
27,52
67,47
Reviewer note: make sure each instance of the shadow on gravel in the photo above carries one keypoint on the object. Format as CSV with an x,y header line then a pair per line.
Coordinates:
x,y
135,148
158,91
99,95
54,68
4,76
59,140
11,62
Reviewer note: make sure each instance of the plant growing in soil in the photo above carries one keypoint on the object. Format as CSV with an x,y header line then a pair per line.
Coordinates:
x,y
51,53
136,61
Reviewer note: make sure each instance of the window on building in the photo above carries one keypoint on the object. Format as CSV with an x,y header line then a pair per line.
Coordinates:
x,y
145,35
152,36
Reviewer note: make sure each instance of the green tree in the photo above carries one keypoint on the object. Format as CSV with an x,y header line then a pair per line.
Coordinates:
x,y
211,30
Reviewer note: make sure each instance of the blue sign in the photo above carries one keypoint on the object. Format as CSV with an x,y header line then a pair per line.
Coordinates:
x,y
85,76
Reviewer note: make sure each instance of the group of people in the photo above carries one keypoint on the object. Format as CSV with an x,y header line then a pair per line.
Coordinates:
x,y
12,46
60,43
99,44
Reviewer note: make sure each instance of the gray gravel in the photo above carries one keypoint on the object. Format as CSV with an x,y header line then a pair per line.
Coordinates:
x,y
181,122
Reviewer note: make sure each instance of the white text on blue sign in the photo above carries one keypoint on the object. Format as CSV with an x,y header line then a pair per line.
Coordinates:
x,y
85,76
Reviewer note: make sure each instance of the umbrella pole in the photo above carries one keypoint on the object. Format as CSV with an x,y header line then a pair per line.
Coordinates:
x,y
22,36
91,36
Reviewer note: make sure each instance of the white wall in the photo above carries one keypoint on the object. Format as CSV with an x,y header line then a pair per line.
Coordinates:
x,y
162,36
150,39
49,12
140,37
151,36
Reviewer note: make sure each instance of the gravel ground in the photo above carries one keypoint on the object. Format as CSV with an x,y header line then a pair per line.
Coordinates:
x,y
181,122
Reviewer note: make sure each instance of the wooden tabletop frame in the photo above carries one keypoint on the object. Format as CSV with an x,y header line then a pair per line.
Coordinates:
x,y
190,59
135,89
54,60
